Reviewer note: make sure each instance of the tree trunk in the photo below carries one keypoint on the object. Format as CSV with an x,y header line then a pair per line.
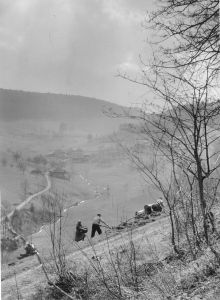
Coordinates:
x,y
200,179
175,248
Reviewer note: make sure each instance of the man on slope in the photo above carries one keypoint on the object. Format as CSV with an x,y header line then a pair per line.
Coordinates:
x,y
96,225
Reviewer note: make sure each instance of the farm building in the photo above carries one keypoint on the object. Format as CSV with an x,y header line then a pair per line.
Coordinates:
x,y
60,174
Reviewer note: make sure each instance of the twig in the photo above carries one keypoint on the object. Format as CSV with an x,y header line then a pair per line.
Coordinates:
x,y
50,282
16,284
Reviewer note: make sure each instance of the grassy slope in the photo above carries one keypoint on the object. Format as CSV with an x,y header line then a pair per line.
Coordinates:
x,y
127,193
197,283
29,275
82,113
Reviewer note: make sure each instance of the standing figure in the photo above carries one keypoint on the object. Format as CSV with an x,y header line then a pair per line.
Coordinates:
x,y
80,232
96,225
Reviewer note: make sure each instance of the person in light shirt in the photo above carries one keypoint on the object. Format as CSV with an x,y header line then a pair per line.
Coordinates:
x,y
96,225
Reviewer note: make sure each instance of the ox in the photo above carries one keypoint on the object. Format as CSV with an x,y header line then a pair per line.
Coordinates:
x,y
154,208
140,213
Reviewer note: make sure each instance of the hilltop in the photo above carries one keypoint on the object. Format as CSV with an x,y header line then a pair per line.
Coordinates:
x,y
17,105
81,112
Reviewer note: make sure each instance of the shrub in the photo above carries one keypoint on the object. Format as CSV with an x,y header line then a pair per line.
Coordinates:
x,y
9,244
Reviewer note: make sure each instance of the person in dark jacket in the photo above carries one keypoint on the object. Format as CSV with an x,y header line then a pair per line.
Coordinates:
x,y
30,249
96,225
80,232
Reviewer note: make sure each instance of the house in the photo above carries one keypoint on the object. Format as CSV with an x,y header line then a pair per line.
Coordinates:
x,y
60,174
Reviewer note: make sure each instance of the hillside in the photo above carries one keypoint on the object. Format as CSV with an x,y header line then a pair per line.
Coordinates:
x,y
30,266
78,112
156,272
17,105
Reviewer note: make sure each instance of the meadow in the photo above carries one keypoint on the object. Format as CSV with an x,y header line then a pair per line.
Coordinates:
x,y
115,191
106,182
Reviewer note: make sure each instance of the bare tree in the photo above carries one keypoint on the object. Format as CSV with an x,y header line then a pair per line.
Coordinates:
x,y
4,161
185,128
16,156
190,28
185,131
21,164
25,188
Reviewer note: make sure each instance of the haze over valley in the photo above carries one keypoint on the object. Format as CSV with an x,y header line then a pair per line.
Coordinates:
x,y
110,149
76,140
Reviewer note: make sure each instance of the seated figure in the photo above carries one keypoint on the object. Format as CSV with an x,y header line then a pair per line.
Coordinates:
x,y
30,249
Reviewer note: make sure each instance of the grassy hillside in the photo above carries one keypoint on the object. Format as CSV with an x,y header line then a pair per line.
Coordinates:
x,y
16,105
143,263
65,112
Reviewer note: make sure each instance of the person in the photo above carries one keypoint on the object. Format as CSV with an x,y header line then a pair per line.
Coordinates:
x,y
96,225
30,249
80,232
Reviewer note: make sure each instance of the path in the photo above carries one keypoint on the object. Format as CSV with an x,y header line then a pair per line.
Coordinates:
x,y
21,205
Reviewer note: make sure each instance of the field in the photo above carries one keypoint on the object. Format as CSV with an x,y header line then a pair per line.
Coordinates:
x,y
101,179
116,192
105,182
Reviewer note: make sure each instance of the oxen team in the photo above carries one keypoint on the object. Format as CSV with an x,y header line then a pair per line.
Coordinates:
x,y
150,209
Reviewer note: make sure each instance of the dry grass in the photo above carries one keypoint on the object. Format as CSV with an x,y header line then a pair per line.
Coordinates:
x,y
134,270
130,267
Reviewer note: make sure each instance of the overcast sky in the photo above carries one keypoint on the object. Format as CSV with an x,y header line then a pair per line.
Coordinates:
x,y
73,46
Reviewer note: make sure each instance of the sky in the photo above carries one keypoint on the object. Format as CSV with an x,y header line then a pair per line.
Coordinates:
x,y
74,47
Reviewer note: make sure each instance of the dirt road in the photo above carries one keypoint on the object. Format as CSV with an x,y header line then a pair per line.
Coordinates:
x,y
21,205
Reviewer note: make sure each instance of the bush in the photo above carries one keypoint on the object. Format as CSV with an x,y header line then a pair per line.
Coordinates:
x,y
9,245
39,159
206,266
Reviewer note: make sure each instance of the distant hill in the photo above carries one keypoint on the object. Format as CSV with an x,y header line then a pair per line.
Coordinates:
x,y
20,105
83,112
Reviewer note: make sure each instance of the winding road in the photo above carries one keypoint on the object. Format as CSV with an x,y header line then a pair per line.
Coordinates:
x,y
21,205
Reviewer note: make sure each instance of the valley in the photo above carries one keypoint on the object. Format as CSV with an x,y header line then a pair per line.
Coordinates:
x,y
89,172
